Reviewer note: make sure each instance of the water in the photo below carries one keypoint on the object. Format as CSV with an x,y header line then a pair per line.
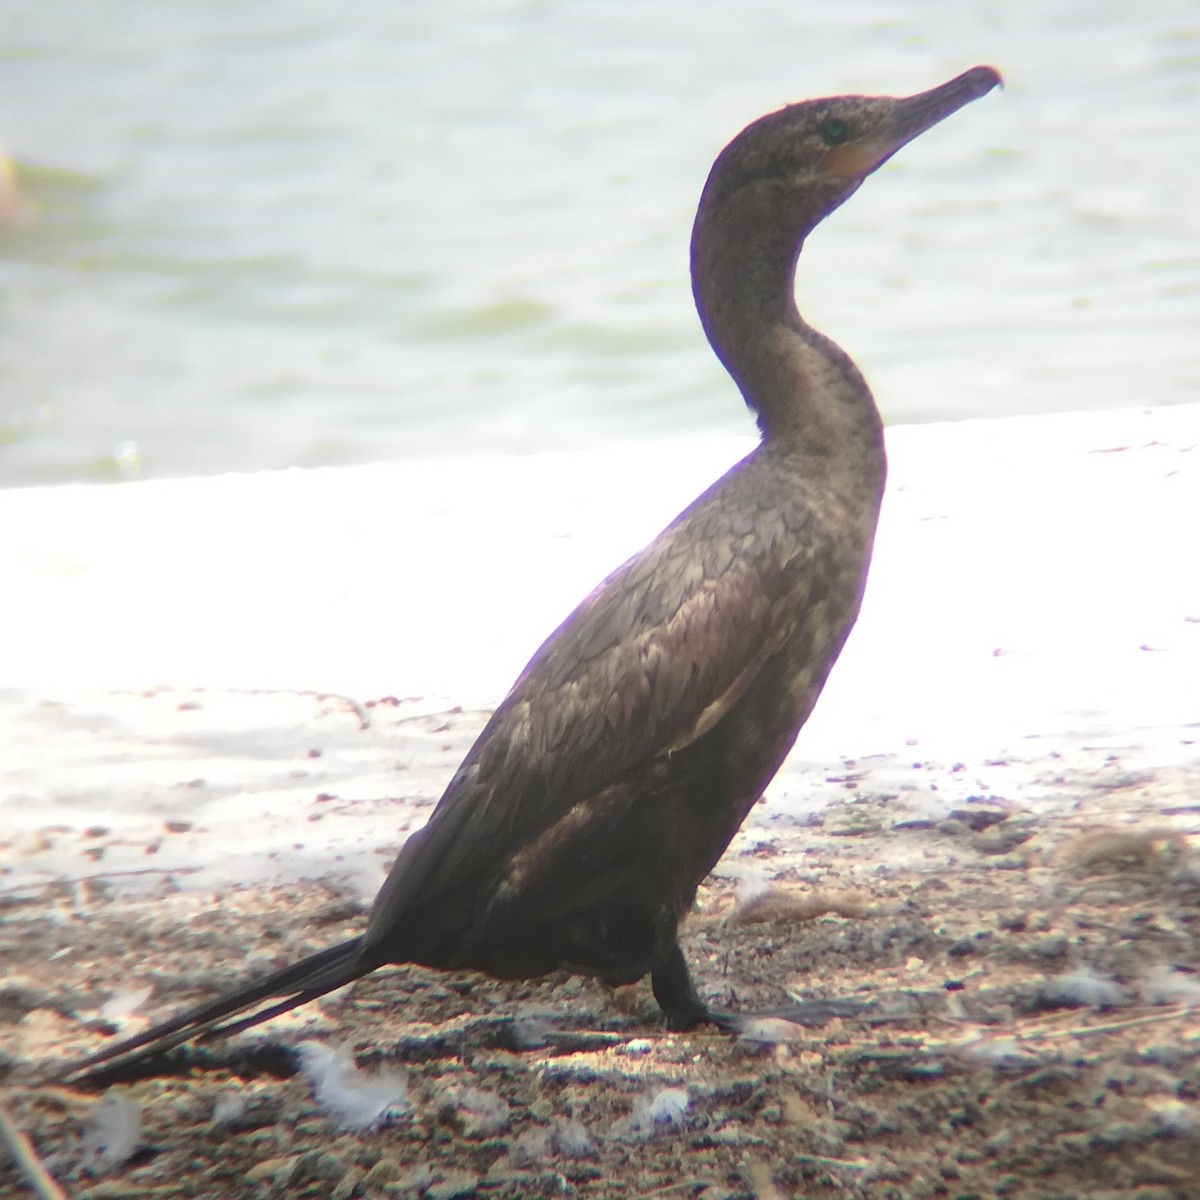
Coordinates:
x,y
263,234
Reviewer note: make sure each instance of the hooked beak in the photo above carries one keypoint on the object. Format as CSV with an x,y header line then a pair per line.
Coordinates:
x,y
908,118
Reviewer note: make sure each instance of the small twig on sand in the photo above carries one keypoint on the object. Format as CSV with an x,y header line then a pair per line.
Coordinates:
x,y
27,1160
1163,1014
847,1164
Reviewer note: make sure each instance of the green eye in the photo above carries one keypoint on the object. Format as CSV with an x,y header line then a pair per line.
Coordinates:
x,y
834,131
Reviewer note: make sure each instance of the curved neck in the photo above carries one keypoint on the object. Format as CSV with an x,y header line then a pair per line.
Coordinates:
x,y
808,395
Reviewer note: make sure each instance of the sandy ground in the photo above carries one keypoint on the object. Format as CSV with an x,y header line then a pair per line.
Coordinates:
x,y
228,701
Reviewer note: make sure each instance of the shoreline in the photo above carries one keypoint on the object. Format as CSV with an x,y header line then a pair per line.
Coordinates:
x,y
179,649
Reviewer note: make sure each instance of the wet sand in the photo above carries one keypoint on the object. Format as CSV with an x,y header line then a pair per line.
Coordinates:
x,y
207,652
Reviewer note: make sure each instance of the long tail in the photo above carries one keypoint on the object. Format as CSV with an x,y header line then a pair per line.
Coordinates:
x,y
303,981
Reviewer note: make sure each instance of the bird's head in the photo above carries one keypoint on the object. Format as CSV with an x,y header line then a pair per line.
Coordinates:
x,y
808,158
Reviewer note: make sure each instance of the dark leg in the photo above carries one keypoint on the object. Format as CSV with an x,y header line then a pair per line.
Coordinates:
x,y
676,993
677,997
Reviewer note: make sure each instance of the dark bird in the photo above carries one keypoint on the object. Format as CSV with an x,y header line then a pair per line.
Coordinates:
x,y
616,771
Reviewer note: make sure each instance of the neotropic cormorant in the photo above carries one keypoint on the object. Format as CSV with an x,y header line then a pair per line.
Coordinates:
x,y
612,777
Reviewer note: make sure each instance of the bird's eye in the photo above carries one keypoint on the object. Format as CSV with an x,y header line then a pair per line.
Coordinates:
x,y
834,131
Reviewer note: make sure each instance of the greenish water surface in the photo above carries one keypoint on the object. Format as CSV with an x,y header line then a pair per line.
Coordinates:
x,y
267,234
